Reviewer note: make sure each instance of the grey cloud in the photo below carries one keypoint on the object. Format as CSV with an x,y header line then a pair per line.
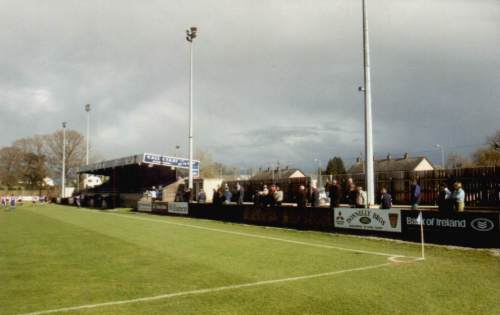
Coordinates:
x,y
273,80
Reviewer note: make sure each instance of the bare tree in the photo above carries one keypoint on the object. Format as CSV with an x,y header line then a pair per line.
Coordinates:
x,y
489,156
75,153
456,160
10,158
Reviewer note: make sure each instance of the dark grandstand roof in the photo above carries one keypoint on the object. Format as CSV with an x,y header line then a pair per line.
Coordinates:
x,y
391,165
124,161
138,159
278,174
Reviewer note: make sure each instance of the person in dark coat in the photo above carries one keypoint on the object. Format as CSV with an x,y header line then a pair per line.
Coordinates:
x,y
335,194
315,197
352,196
444,201
385,199
188,195
301,196
216,200
416,194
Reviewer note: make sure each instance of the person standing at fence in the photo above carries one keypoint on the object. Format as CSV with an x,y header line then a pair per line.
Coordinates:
x,y
361,198
416,194
240,194
385,199
301,196
352,195
278,196
444,201
188,195
458,197
216,200
227,195
202,197
335,194
152,193
347,190
315,197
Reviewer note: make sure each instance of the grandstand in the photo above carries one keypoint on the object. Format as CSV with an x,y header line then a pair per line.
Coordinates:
x,y
126,179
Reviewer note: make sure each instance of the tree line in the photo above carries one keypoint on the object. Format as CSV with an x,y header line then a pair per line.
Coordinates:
x,y
28,162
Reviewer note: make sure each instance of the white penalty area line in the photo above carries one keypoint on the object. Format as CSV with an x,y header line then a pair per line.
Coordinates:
x,y
203,291
140,217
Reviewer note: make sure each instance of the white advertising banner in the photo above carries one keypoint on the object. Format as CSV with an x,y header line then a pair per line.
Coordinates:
x,y
368,219
144,206
178,207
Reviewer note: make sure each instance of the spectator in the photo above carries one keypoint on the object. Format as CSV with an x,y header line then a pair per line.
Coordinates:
x,y
416,194
265,191
278,196
153,193
178,195
352,195
327,186
188,197
315,197
202,197
385,199
256,198
335,194
240,194
216,199
263,196
227,195
159,193
360,197
458,197
301,197
444,201
271,198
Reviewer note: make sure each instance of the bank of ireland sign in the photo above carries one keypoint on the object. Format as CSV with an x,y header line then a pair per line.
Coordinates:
x,y
368,219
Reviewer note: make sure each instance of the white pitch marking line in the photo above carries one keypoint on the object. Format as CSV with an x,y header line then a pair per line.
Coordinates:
x,y
250,235
202,291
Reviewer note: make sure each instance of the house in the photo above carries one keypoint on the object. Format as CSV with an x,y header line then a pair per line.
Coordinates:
x,y
277,174
389,164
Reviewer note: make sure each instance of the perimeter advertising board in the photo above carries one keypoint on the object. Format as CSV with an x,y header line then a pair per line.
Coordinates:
x,y
144,206
368,219
469,222
178,208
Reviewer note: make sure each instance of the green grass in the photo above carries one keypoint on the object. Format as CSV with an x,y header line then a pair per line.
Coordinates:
x,y
54,257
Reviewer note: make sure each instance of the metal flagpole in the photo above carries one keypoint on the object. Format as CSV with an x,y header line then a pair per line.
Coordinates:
x,y
87,109
368,112
63,173
191,34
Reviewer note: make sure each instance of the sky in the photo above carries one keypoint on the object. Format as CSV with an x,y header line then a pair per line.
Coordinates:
x,y
273,80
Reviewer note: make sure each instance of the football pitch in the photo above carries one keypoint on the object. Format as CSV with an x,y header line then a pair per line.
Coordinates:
x,y
62,260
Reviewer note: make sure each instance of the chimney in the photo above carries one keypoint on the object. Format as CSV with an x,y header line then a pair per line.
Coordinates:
x,y
358,160
389,157
406,156
268,169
